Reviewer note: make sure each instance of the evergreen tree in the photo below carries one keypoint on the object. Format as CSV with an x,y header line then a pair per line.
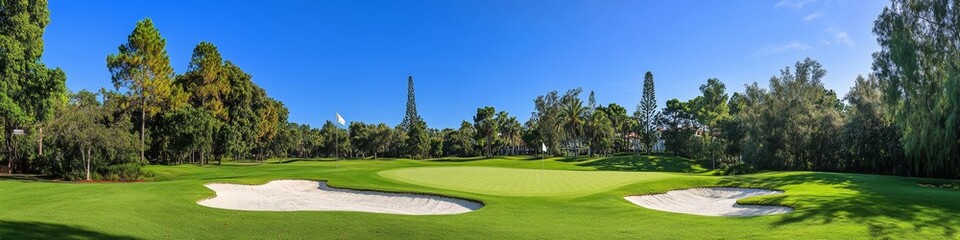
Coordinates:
x,y
411,114
190,133
793,126
546,122
90,143
382,139
361,137
206,80
917,68
239,103
28,89
710,108
680,128
334,138
143,67
647,114
436,143
418,139
461,142
871,141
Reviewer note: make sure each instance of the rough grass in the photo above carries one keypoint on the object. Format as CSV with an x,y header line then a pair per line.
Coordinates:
x,y
946,185
827,205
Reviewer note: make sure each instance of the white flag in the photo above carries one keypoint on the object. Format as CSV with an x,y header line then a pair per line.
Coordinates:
x,y
340,120
544,147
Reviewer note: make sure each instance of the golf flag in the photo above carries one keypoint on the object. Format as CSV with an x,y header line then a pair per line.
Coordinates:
x,y
340,120
544,147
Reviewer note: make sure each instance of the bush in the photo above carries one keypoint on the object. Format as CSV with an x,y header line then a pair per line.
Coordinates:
x,y
125,172
735,169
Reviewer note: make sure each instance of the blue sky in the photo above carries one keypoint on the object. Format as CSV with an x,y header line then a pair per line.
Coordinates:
x,y
319,57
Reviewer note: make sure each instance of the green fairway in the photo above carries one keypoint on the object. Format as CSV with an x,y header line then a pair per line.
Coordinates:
x,y
584,203
518,182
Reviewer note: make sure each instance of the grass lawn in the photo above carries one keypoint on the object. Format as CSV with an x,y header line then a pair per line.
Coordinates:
x,y
569,199
519,182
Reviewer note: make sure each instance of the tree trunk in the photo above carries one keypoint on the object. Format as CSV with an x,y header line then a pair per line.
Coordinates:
x,y
40,141
143,124
8,141
89,160
83,158
86,161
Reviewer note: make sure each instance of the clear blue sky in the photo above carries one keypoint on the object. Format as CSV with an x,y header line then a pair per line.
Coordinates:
x,y
354,56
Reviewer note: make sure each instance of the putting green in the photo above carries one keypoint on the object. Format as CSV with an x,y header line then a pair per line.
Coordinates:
x,y
518,182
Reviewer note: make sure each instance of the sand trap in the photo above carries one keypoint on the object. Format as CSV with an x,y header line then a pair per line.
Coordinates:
x,y
302,195
714,201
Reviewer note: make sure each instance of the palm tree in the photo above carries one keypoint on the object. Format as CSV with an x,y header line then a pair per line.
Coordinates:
x,y
511,133
572,119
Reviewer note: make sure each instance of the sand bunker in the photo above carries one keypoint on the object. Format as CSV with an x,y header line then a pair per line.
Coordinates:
x,y
302,195
714,201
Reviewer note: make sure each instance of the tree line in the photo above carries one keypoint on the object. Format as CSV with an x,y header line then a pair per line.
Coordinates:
x,y
901,119
212,111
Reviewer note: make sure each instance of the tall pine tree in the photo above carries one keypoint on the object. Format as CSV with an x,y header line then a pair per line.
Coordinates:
x,y
143,66
418,140
647,114
206,80
411,115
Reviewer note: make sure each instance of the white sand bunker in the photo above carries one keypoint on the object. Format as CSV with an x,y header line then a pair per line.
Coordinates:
x,y
302,195
714,201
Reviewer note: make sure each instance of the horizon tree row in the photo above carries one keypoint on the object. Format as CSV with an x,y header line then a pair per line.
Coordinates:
x,y
901,119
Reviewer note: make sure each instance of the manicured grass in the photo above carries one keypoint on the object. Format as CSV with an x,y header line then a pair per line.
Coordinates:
x,y
644,163
827,205
519,182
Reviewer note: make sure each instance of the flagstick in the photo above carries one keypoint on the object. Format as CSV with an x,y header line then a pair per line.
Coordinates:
x,y
336,156
337,137
540,173
542,154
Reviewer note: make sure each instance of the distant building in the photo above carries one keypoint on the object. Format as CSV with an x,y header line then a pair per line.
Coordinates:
x,y
637,146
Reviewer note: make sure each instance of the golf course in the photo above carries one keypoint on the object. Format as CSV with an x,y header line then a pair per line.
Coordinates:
x,y
302,119
566,198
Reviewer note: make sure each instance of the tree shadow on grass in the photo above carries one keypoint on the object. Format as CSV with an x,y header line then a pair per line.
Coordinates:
x,y
531,157
583,158
459,159
38,230
293,160
645,163
27,177
888,207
